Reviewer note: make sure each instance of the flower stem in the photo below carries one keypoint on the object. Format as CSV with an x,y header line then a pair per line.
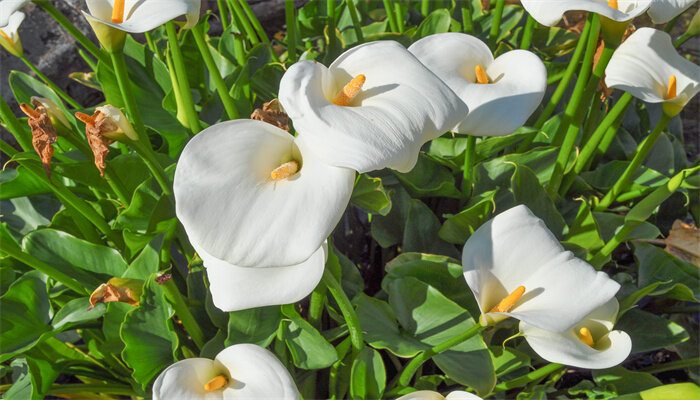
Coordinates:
x,y
241,17
221,88
254,21
154,166
331,45
527,33
318,299
152,45
467,23
496,23
356,23
398,9
388,7
425,7
670,366
73,31
52,85
121,72
336,290
415,363
682,39
525,379
563,84
183,312
291,20
223,12
468,173
639,156
183,82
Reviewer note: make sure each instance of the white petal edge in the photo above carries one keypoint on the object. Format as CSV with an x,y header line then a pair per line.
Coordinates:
x,y
462,395
548,12
9,7
13,23
401,106
515,248
185,380
256,374
495,109
662,11
145,15
643,64
238,288
422,395
233,211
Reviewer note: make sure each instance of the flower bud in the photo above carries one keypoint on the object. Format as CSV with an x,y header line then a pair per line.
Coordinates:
x,y
112,39
55,113
9,38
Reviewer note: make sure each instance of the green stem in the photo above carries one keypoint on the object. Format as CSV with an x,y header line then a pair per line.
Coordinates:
x,y
496,23
398,9
254,21
291,20
183,312
336,290
88,60
388,7
639,156
468,173
318,299
183,82
154,166
331,45
425,7
415,363
467,23
356,23
221,88
73,31
152,45
563,84
52,85
121,72
527,33
241,18
670,24
223,11
14,125
525,379
670,366
682,39
107,388
589,149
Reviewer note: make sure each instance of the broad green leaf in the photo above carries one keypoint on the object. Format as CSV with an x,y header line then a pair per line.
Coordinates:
x,y
527,190
149,338
609,223
27,214
388,230
457,228
498,171
429,179
584,230
255,325
147,262
604,177
437,21
625,381
506,359
370,194
381,330
24,87
307,346
17,182
25,315
679,279
649,331
676,391
77,311
421,232
43,374
367,376
214,345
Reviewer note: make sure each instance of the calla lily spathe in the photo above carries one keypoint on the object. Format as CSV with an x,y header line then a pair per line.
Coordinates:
x,y
608,347
232,208
241,371
662,11
515,251
431,395
9,7
550,12
400,106
643,66
518,80
9,37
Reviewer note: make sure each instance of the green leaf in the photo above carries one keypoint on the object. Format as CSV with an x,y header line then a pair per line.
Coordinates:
x,y
437,21
77,311
649,331
584,230
43,374
507,360
388,230
307,346
604,177
457,228
679,279
527,190
421,232
625,381
429,179
18,182
25,315
147,262
609,223
381,329
255,325
214,345
369,194
149,339
89,263
24,87
497,172
676,391
367,376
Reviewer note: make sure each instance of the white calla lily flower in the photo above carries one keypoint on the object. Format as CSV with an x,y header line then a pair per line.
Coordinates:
x,y
431,395
374,107
591,343
516,268
648,66
9,7
501,96
550,12
241,371
9,37
252,195
662,11
236,288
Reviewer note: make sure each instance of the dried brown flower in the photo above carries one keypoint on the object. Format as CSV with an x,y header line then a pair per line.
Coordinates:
x,y
272,113
43,132
95,126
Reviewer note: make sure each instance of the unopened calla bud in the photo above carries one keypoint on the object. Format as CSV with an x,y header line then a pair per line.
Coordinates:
x,y
694,27
123,126
55,113
102,128
9,38
118,289
43,133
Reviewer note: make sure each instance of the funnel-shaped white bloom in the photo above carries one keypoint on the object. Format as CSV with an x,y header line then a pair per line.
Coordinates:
x,y
609,347
549,12
233,210
643,65
430,395
662,11
143,15
236,288
9,38
516,249
400,106
518,80
243,371
8,7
